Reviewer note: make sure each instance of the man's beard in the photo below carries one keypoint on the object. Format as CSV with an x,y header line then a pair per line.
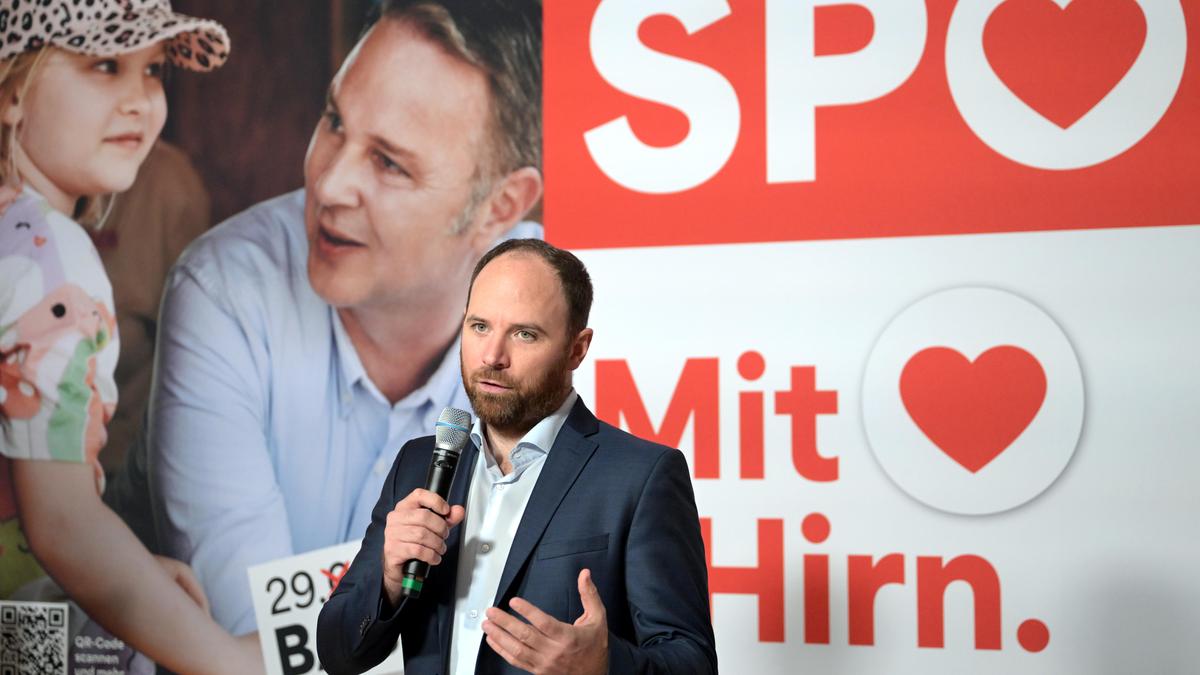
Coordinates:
x,y
524,405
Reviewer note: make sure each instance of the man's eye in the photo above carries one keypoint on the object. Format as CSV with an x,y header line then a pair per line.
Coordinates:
x,y
527,336
334,120
388,165
479,327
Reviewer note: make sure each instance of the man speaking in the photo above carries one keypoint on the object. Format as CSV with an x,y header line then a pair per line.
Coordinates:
x,y
572,546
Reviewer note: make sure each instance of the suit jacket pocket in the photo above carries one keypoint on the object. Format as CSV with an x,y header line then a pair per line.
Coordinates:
x,y
562,547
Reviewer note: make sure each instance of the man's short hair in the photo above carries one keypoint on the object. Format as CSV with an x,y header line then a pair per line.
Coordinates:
x,y
572,275
503,38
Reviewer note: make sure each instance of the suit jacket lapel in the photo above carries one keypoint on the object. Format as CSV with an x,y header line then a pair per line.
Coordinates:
x,y
571,451
448,570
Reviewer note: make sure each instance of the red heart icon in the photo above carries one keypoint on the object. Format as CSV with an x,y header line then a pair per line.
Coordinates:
x,y
973,411
1063,61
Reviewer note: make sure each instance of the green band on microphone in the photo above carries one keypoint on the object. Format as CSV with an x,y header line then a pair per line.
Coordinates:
x,y
413,584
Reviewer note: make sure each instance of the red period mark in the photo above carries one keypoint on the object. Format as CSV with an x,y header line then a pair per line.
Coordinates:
x,y
1033,635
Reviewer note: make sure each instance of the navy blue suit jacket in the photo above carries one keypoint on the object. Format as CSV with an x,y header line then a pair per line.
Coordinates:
x,y
605,500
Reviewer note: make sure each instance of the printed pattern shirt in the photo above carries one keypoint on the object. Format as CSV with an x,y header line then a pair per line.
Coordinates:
x,y
58,351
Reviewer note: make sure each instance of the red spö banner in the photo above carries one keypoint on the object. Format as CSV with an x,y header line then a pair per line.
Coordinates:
x,y
703,122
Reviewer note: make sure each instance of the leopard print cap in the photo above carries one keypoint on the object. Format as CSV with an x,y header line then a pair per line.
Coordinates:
x,y
110,27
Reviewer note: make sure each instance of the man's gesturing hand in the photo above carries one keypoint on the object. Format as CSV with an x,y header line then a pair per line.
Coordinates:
x,y
545,645
416,529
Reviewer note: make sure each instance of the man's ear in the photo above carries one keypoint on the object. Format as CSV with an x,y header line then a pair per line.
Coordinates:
x,y
579,348
510,200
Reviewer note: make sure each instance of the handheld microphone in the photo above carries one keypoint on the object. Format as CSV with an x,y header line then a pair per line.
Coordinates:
x,y
451,433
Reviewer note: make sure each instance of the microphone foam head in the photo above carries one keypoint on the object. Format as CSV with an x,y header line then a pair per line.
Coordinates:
x,y
453,429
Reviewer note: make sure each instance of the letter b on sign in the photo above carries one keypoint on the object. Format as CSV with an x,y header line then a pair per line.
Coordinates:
x,y
293,646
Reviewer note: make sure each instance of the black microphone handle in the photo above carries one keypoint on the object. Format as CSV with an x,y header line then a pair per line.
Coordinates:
x,y
441,473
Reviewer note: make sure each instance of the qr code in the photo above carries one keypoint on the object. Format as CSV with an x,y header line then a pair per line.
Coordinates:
x,y
33,638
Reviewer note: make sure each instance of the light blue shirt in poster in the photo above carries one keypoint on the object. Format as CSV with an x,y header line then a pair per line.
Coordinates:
x,y
267,438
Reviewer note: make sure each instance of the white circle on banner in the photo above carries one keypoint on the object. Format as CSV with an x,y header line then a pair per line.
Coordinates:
x,y
1113,125
973,401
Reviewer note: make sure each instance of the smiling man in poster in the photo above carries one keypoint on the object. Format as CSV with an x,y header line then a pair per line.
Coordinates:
x,y
304,340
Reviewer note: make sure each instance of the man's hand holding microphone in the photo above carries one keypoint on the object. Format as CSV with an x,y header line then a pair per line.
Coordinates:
x,y
414,539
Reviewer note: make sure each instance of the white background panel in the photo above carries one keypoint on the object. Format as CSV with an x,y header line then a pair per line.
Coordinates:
x,y
1106,556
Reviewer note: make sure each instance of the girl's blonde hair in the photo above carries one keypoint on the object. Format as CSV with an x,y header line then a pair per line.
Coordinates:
x,y
16,76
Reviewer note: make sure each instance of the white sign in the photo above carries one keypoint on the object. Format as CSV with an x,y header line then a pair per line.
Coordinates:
x,y
288,596
818,390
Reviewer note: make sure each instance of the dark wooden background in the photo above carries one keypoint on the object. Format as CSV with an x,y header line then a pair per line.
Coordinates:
x,y
246,126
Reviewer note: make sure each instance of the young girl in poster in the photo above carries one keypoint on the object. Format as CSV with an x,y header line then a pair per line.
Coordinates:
x,y
81,103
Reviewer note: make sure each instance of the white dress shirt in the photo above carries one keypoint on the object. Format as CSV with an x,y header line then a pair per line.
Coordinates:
x,y
495,505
